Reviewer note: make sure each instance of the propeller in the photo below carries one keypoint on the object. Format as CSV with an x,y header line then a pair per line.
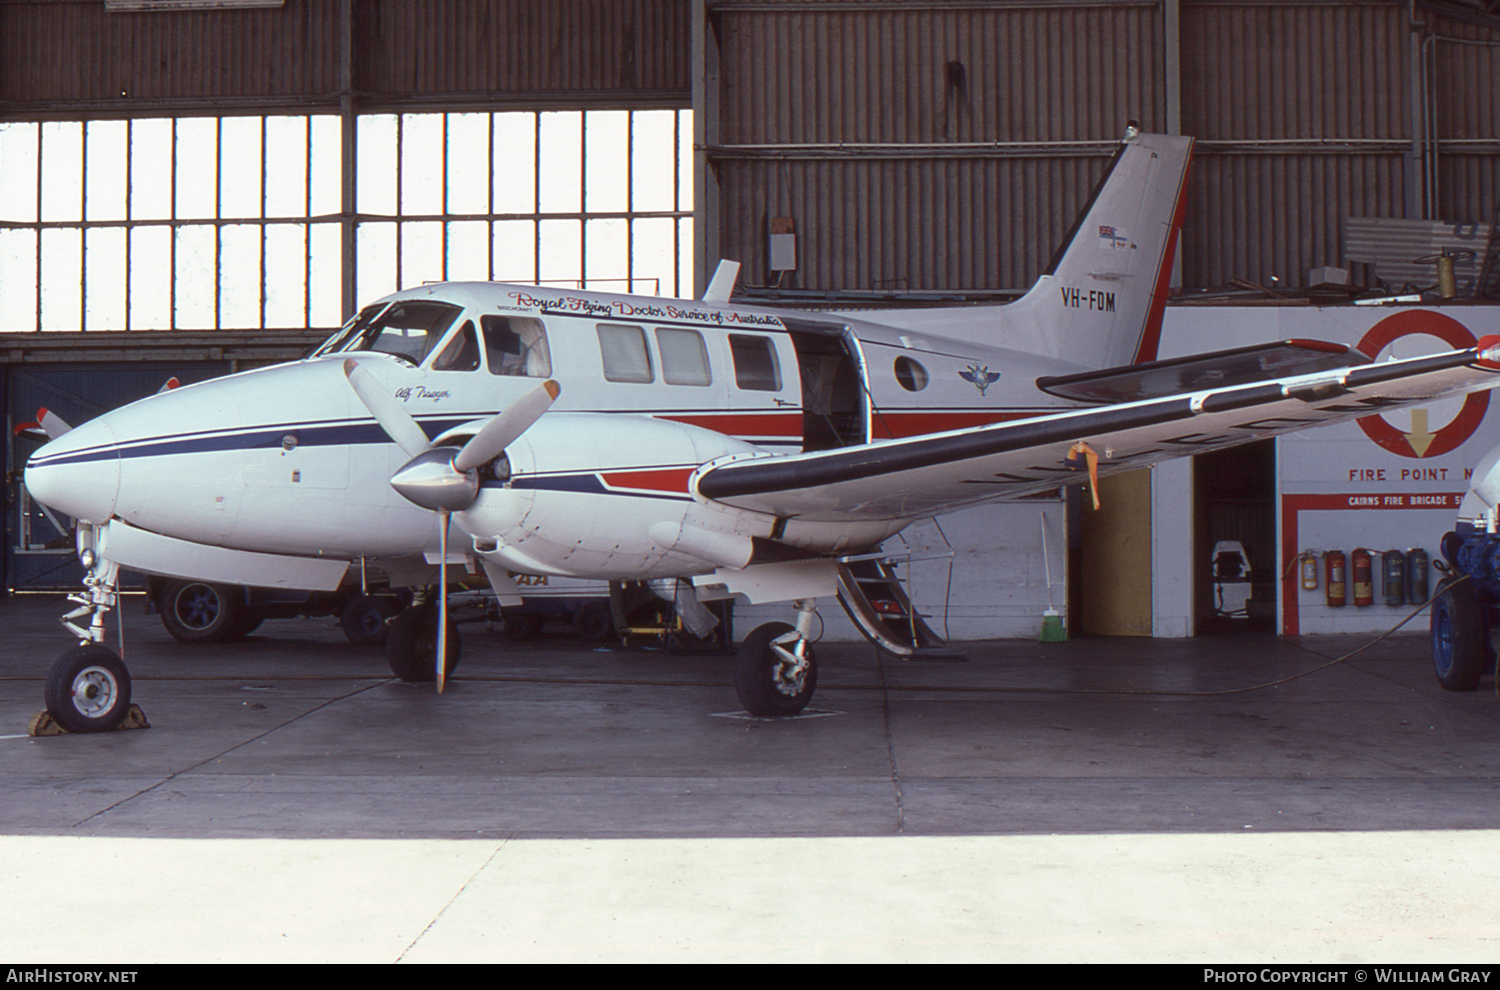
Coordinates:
x,y
445,479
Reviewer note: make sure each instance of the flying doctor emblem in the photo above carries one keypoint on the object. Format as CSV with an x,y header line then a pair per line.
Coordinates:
x,y
980,375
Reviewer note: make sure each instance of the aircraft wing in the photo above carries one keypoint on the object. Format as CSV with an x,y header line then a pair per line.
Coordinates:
x,y
927,475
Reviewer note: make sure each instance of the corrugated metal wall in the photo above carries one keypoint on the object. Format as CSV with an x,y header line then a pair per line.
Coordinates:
x,y
623,52
73,58
938,72
1466,91
1303,110
923,146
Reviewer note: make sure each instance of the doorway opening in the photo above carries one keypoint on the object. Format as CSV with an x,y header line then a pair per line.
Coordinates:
x,y
1234,543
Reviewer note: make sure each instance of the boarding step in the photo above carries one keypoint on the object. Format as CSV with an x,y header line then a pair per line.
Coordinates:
x,y
876,602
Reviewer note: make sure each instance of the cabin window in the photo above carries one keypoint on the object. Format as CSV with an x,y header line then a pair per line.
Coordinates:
x,y
623,348
755,366
462,352
684,358
912,376
516,345
407,330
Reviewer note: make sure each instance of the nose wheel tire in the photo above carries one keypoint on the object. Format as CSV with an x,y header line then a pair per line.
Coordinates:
x,y
411,645
772,679
88,690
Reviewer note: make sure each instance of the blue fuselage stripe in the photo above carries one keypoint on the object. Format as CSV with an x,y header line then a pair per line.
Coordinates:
x,y
353,433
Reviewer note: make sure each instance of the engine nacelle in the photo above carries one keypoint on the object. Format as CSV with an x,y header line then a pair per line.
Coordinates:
x,y
583,493
605,496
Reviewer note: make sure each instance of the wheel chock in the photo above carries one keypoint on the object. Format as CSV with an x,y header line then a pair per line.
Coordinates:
x,y
43,724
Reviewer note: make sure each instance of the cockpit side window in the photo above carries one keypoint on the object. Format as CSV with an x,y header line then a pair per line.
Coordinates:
x,y
516,345
407,330
462,351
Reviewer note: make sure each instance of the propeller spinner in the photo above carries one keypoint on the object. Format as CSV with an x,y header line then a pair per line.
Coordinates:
x,y
445,479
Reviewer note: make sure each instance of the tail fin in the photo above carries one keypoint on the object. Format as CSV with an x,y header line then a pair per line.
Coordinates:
x,y
1099,304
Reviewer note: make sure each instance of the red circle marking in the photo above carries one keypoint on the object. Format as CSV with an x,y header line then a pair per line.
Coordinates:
x,y
1456,336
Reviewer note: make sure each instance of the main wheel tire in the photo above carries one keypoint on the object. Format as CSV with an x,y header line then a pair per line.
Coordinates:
x,y
760,680
200,612
363,619
1458,636
411,645
594,623
88,689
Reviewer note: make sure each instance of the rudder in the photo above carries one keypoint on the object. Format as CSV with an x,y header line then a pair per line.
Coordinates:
x,y
1100,303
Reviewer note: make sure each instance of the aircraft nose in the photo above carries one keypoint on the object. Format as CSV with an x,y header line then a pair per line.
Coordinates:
x,y
78,474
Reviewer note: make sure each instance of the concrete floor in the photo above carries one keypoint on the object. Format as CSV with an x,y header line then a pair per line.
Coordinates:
x,y
1102,799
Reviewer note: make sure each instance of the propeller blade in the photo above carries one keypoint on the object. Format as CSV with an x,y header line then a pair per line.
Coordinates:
x,y
501,431
393,419
442,630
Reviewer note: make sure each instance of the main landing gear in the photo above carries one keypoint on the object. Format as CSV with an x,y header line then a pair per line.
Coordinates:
x,y
776,672
411,642
88,688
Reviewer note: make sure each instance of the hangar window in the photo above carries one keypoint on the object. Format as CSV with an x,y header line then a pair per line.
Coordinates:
x,y
516,345
684,358
242,222
589,199
623,348
755,365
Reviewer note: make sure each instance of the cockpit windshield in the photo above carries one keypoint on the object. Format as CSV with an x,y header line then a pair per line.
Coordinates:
x,y
407,330
358,322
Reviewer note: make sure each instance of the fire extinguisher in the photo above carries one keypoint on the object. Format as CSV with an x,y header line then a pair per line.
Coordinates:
x,y
1393,577
1364,584
1333,571
1416,576
1309,567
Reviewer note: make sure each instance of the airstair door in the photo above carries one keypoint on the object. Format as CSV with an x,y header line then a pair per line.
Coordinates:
x,y
835,403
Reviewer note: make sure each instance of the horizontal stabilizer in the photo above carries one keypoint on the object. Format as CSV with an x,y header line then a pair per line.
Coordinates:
x,y
1216,369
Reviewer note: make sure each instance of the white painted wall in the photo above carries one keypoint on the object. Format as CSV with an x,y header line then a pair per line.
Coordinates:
x,y
987,580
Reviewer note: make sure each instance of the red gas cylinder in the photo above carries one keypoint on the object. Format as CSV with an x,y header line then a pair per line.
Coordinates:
x,y
1333,576
1364,583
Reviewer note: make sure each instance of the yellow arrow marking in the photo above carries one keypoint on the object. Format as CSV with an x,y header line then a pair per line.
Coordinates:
x,y
1419,437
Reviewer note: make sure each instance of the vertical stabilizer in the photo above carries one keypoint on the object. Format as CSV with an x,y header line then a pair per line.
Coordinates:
x,y
1099,304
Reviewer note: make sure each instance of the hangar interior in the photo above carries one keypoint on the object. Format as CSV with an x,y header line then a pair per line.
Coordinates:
x,y
192,187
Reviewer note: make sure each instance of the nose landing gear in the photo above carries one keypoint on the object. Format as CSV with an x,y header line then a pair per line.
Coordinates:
x,y
88,688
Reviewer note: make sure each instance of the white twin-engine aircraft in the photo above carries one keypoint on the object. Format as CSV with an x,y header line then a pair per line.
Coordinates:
x,y
730,451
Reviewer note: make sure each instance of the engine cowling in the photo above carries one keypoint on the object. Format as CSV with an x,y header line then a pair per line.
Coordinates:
x,y
582,494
